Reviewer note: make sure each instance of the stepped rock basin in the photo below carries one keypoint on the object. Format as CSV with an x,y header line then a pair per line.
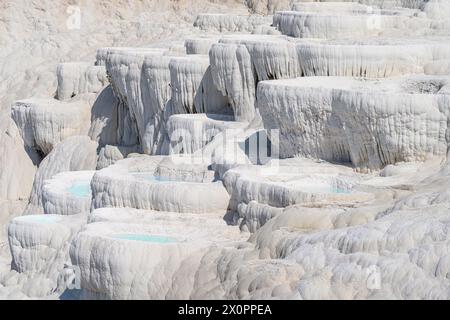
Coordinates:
x,y
191,132
277,57
68,193
39,219
131,239
294,181
357,120
162,184
40,243
145,238
353,204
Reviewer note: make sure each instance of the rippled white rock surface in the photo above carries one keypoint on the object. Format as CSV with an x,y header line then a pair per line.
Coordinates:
x,y
239,63
73,154
230,23
170,245
68,193
359,23
45,123
40,244
191,132
193,90
213,165
200,45
79,77
358,121
118,185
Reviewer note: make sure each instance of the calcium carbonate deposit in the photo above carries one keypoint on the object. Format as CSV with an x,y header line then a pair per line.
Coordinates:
x,y
234,150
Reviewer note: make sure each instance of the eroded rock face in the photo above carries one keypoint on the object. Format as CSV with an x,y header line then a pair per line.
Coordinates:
x,y
125,68
118,185
137,237
200,45
359,24
356,208
39,242
238,64
18,169
73,154
79,77
358,121
104,118
229,23
68,193
189,133
45,123
193,90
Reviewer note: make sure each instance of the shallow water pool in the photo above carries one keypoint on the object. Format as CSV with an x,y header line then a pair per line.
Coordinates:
x,y
80,189
145,238
340,190
39,218
150,177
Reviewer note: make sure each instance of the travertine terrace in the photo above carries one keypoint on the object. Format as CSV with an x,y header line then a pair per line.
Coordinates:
x,y
300,153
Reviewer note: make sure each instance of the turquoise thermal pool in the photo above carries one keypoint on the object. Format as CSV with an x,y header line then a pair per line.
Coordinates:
x,y
339,190
80,189
151,177
145,238
39,218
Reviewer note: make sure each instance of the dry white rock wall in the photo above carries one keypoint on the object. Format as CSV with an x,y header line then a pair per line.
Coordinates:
x,y
358,121
79,77
176,226
170,246
17,167
39,243
191,132
193,90
230,23
73,154
135,183
45,123
239,63
200,45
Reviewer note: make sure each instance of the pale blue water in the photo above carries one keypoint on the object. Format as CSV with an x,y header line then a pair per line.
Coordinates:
x,y
323,188
145,238
151,177
39,218
340,190
80,189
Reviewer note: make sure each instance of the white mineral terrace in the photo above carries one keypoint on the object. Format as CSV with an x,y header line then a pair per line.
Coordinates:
x,y
118,185
337,109
68,193
160,245
292,153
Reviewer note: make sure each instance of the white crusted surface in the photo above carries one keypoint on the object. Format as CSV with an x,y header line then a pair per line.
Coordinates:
x,y
230,22
169,266
73,154
79,77
359,121
67,193
191,132
45,123
119,185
